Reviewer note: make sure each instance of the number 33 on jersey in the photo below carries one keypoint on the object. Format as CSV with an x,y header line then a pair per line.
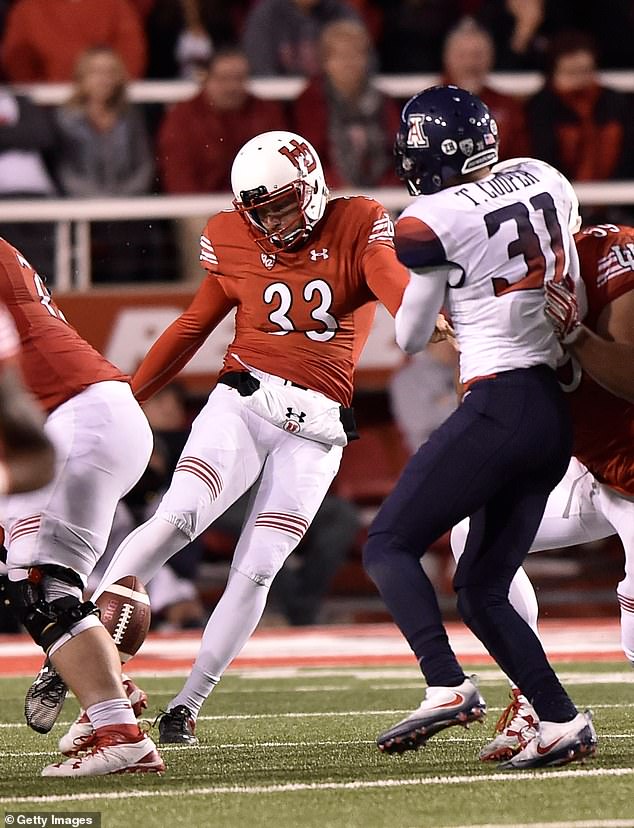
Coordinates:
x,y
305,313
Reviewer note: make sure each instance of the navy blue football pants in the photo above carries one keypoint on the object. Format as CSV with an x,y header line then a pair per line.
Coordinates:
x,y
495,459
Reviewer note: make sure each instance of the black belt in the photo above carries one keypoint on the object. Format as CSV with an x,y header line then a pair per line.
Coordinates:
x,y
246,384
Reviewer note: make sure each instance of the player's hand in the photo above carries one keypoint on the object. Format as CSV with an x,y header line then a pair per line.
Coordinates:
x,y
562,310
442,331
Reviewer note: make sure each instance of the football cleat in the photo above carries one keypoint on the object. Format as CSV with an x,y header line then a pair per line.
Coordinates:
x,y
81,735
116,749
442,707
518,719
557,743
44,699
177,726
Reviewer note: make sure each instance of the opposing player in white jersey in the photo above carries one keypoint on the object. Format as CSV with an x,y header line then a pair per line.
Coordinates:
x,y
595,498
481,241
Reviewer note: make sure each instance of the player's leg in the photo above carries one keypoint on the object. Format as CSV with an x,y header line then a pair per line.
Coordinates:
x,y
521,594
571,517
299,590
441,483
620,513
219,462
103,442
499,537
294,481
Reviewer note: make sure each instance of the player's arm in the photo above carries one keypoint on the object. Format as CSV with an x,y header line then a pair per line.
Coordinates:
x,y
180,341
420,249
386,277
28,460
607,355
415,320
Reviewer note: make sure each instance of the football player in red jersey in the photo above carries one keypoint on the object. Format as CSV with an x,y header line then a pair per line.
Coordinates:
x,y
595,499
54,536
303,274
27,457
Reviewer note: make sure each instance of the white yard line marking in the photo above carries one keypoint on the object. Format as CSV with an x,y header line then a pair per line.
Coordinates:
x,y
592,823
314,714
259,744
292,787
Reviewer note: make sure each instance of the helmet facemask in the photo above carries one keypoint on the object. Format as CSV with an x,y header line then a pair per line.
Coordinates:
x,y
279,189
277,220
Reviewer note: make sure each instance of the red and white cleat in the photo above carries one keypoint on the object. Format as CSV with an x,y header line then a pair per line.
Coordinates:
x,y
115,749
80,735
516,726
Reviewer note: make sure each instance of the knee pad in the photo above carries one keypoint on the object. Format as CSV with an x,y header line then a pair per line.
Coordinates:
x,y
47,621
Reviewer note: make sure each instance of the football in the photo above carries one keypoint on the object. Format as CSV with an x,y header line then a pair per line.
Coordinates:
x,y
125,613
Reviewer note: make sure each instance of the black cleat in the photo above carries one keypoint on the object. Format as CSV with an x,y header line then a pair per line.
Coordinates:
x,y
44,699
177,726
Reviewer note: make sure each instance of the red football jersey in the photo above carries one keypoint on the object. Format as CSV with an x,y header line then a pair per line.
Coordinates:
x,y
9,339
56,362
604,423
303,314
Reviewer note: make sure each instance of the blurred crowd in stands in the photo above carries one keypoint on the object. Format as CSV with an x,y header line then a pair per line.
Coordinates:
x,y
97,143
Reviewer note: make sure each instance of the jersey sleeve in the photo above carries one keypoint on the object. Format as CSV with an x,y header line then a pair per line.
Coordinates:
x,y
417,245
180,341
384,274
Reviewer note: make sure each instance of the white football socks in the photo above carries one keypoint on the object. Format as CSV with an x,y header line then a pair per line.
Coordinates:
x,y
230,626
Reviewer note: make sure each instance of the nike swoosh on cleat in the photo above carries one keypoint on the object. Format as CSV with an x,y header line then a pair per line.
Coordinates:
x,y
457,699
546,748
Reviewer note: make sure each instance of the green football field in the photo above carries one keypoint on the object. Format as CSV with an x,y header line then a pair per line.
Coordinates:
x,y
295,747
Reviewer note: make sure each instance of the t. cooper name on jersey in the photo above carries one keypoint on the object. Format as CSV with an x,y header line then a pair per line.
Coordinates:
x,y
500,184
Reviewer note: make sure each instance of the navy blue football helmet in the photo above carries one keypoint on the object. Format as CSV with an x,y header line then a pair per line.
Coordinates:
x,y
445,132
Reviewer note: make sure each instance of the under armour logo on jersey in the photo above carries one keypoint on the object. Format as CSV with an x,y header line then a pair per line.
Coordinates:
x,y
300,155
416,134
268,261
294,420
207,252
319,254
382,229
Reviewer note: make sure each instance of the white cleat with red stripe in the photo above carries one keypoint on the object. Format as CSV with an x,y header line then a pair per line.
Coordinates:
x,y
116,749
80,735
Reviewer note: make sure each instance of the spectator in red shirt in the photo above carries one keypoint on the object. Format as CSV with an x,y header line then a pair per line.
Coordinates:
x,y
578,125
43,38
346,118
199,138
468,59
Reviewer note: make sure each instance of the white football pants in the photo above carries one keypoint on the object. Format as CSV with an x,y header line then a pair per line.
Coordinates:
x,y
228,449
103,444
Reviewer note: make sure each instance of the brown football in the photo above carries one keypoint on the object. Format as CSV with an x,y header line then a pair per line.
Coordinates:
x,y
125,613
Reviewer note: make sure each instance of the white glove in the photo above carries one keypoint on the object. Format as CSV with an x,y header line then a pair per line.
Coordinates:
x,y
562,310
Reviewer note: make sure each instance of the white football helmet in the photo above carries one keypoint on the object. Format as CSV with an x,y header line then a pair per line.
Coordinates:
x,y
279,174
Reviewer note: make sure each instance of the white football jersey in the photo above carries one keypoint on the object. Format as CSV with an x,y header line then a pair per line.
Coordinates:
x,y
497,240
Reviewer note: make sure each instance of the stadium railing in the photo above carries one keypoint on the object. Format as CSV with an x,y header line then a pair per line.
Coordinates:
x,y
73,217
